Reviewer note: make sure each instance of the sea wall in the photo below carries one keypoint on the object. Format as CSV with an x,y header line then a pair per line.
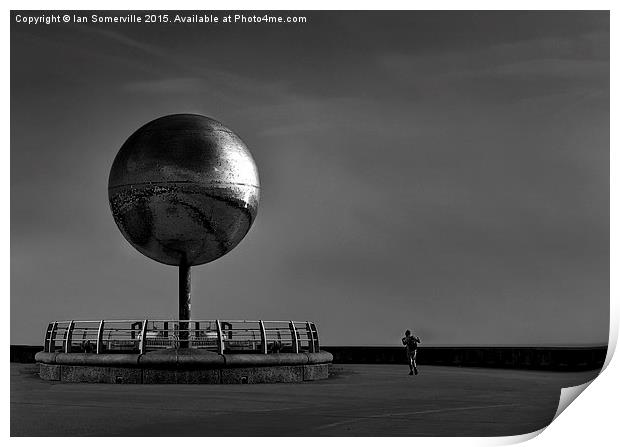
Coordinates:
x,y
545,358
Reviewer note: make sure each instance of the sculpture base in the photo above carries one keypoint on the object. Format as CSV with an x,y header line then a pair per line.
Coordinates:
x,y
183,366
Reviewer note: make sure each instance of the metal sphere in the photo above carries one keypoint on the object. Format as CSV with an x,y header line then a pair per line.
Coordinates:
x,y
184,190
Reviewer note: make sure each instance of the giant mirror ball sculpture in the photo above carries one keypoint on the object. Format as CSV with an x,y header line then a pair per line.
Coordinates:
x,y
184,190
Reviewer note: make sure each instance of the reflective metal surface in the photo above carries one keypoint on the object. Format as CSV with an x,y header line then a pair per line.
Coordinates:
x,y
184,190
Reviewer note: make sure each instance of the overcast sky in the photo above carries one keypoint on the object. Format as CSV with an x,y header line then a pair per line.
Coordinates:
x,y
444,172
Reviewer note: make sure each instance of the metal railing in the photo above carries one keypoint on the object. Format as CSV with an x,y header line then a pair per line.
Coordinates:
x,y
221,336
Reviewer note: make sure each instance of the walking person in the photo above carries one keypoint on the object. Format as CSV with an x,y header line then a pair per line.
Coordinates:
x,y
411,346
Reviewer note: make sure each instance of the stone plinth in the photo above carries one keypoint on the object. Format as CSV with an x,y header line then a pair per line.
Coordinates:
x,y
186,366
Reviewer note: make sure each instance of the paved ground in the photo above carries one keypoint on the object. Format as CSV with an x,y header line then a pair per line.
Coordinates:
x,y
358,400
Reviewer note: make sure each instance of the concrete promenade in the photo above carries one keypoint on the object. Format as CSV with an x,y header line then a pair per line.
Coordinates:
x,y
357,400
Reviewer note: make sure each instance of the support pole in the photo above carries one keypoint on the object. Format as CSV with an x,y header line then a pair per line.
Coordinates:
x,y
52,346
310,337
142,343
99,338
220,337
68,336
48,337
184,304
263,336
294,337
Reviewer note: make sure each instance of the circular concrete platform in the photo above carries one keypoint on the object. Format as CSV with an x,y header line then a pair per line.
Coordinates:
x,y
183,366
